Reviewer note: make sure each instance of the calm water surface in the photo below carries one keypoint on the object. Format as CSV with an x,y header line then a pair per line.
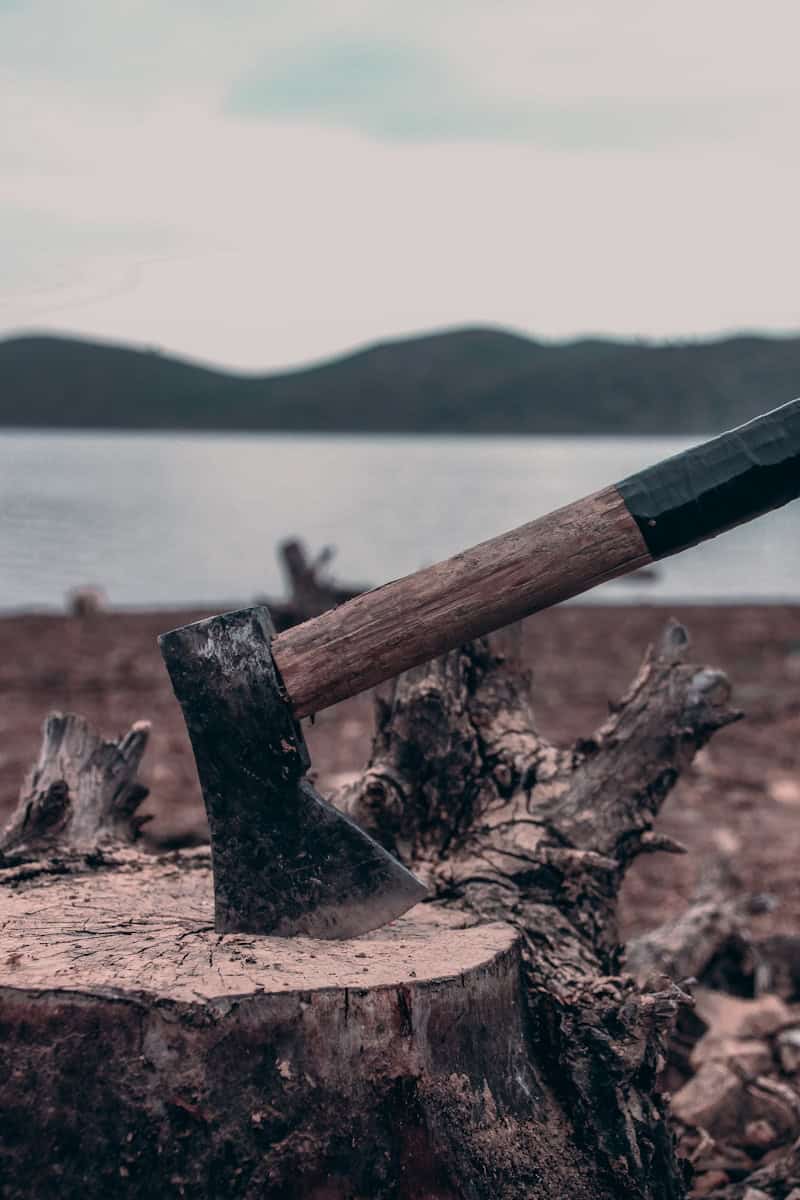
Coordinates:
x,y
172,519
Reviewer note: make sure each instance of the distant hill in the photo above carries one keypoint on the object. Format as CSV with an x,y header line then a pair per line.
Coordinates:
x,y
465,381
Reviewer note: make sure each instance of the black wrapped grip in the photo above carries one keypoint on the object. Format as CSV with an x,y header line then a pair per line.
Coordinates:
x,y
724,482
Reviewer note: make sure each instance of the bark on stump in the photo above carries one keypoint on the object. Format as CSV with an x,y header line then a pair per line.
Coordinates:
x,y
152,1056
81,794
486,1045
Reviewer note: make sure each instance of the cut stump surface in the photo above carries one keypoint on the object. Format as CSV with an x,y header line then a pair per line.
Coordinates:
x,y
153,1056
147,927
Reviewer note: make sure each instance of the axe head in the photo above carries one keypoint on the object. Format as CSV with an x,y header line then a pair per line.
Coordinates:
x,y
285,861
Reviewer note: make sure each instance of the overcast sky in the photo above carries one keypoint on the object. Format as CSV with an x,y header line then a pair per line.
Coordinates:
x,y
259,182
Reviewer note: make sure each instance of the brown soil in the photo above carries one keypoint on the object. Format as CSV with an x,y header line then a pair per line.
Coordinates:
x,y
742,796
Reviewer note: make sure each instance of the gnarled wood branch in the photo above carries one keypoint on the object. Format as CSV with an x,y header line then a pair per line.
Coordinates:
x,y
82,792
461,785
685,946
508,827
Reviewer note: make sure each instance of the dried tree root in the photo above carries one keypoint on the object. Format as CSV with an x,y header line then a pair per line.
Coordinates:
x,y
507,827
687,946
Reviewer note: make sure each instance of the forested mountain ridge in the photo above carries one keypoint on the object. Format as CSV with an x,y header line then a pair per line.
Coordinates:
x,y
464,381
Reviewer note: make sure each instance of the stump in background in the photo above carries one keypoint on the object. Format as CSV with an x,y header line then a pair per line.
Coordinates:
x,y
81,794
311,591
486,1045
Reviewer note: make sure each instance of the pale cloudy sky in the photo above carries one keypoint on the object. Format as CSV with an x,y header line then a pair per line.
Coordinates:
x,y
260,182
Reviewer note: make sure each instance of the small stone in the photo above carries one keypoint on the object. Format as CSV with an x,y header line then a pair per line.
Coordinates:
x,y
726,841
769,1099
730,1016
705,1184
788,1045
767,1015
785,789
750,1055
721,1156
711,1100
759,1135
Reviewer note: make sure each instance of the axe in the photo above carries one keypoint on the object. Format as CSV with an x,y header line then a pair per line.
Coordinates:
x,y
285,861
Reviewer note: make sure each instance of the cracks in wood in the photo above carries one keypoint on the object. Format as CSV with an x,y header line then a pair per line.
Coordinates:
x,y
81,796
507,827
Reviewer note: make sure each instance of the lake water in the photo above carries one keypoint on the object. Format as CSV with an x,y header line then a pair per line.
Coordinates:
x,y
174,519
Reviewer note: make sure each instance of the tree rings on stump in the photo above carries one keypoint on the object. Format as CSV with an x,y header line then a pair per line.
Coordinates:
x,y
144,1054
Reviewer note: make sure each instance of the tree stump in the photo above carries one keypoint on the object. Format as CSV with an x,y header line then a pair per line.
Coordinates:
x,y
154,1057
486,1045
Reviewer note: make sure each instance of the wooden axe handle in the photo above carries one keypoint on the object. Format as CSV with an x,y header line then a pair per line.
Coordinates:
x,y
659,511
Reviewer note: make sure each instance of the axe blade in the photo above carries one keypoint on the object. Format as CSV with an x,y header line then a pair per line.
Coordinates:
x,y
285,861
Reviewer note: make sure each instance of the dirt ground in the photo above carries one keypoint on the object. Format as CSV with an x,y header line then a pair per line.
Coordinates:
x,y
742,797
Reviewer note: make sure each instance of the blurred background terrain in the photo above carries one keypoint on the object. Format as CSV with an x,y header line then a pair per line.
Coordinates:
x,y
480,381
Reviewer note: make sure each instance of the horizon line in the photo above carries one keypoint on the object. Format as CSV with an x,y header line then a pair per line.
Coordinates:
x,y
723,335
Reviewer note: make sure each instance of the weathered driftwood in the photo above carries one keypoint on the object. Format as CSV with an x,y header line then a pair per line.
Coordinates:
x,y
82,793
484,1046
311,592
711,941
505,826
696,943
